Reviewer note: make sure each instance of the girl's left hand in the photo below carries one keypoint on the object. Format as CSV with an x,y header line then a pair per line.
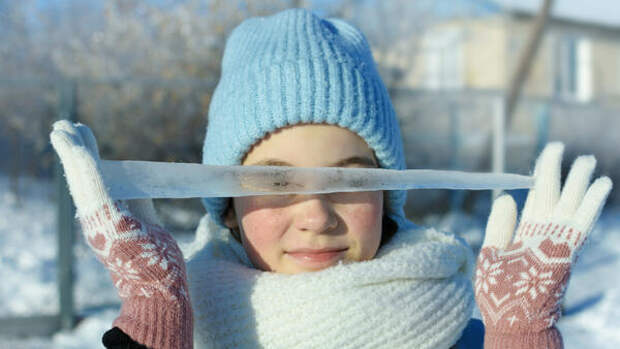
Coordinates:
x,y
143,258
520,283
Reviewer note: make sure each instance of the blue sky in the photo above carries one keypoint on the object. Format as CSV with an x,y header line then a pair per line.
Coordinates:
x,y
606,12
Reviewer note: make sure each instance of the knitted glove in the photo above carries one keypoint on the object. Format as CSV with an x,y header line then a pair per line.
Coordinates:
x,y
143,259
520,283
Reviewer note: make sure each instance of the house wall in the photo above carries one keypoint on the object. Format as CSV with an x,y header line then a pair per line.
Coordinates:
x,y
491,48
450,128
606,69
604,50
485,54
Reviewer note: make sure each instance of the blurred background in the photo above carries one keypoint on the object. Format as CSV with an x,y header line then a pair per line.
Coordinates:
x,y
478,85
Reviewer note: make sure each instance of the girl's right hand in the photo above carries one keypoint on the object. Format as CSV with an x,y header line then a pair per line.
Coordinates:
x,y
143,259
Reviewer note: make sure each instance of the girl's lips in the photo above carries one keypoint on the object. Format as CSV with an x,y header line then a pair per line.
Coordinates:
x,y
317,258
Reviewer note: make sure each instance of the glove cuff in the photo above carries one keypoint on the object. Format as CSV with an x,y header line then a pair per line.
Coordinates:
x,y
550,338
157,323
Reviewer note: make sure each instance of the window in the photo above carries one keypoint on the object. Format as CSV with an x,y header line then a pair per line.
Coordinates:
x,y
573,69
443,59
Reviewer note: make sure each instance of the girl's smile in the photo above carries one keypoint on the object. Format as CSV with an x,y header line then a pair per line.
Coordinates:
x,y
317,258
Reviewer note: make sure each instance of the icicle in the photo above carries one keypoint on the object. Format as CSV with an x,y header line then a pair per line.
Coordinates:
x,y
146,179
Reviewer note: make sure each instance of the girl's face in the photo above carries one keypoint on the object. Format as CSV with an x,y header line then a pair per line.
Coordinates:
x,y
301,233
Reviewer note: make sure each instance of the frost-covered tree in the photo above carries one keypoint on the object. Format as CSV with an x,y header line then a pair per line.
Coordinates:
x,y
145,71
25,107
394,29
148,72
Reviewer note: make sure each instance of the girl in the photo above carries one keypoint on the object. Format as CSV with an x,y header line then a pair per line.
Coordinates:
x,y
331,270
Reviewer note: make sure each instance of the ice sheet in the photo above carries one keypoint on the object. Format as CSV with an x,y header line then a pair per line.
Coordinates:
x,y
148,179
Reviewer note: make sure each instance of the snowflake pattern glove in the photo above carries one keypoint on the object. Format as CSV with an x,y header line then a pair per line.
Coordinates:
x,y
520,282
143,259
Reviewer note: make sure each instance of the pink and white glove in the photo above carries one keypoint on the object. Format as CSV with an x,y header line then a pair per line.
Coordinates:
x,y
520,283
143,259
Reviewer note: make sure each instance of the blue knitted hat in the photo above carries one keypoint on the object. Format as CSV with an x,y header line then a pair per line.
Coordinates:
x,y
296,68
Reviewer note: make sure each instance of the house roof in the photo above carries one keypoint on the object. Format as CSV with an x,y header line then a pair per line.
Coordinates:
x,y
600,12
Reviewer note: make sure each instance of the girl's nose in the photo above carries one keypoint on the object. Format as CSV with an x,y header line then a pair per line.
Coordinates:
x,y
315,214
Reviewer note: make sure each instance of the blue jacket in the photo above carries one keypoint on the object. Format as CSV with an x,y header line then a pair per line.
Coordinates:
x,y
472,338
473,335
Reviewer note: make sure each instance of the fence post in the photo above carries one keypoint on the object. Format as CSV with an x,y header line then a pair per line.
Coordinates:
x,y
456,142
65,217
499,139
543,128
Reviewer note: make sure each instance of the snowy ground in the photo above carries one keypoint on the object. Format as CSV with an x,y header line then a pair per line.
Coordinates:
x,y
28,271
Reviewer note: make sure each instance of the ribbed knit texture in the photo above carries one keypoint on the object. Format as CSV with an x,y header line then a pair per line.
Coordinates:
x,y
296,68
416,293
156,322
547,339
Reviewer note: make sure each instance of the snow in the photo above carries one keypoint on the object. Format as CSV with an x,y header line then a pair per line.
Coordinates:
x,y
28,269
593,298
28,248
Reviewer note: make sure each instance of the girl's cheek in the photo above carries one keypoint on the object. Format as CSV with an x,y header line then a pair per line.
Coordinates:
x,y
364,221
263,225
262,231
257,217
367,211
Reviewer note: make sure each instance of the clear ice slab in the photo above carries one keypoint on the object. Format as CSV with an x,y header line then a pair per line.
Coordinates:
x,y
149,179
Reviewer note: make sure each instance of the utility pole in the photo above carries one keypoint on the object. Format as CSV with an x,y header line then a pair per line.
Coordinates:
x,y
525,60
503,111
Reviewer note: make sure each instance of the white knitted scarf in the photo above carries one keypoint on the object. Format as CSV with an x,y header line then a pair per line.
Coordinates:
x,y
416,293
